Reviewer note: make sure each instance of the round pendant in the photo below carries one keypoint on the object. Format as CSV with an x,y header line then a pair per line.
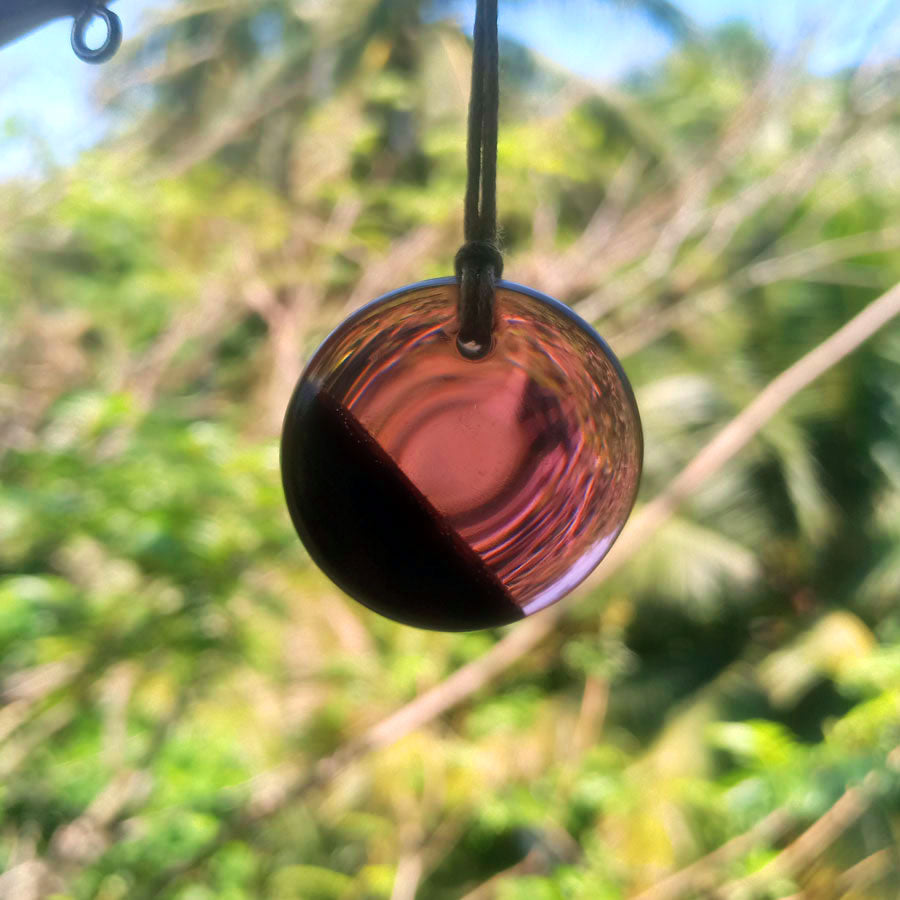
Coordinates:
x,y
458,494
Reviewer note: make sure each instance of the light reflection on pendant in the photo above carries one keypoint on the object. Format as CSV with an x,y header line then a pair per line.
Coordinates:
x,y
459,494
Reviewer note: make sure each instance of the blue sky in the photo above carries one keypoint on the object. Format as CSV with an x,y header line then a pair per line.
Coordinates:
x,y
45,87
606,40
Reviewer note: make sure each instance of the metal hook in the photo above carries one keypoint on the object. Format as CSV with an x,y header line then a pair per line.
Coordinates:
x,y
113,33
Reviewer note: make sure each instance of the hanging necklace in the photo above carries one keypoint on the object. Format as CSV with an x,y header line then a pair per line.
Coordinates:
x,y
462,452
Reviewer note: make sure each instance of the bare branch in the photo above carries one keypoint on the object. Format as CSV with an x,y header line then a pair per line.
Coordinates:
x,y
404,257
110,89
869,870
40,681
621,188
16,752
737,136
532,863
198,320
87,837
30,880
816,263
409,874
743,427
700,875
594,702
811,259
805,849
203,146
116,689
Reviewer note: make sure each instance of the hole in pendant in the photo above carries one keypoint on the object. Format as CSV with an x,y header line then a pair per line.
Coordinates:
x,y
473,350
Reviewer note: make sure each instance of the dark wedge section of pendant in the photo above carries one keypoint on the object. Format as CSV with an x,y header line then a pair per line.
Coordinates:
x,y
373,532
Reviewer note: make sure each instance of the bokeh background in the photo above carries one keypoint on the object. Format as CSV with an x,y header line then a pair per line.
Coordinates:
x,y
190,710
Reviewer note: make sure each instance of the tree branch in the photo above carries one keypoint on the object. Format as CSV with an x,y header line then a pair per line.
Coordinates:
x,y
849,807
698,874
869,870
798,855
810,259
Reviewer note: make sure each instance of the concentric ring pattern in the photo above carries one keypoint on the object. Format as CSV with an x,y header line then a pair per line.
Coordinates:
x,y
499,483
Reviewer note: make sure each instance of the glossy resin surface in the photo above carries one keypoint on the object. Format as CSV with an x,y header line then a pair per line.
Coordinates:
x,y
452,493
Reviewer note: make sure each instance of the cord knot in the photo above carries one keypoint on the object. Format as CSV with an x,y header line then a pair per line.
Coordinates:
x,y
479,255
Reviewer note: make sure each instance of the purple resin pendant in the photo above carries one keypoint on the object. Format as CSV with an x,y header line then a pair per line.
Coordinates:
x,y
458,494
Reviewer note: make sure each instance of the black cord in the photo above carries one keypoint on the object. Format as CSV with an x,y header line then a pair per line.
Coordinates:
x,y
478,263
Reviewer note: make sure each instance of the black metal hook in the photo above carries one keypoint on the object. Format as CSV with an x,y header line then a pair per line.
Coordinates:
x,y
113,33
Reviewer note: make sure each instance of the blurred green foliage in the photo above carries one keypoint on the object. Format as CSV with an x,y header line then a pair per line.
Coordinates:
x,y
170,660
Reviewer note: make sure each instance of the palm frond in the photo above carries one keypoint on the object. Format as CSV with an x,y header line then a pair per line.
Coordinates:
x,y
695,567
811,505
